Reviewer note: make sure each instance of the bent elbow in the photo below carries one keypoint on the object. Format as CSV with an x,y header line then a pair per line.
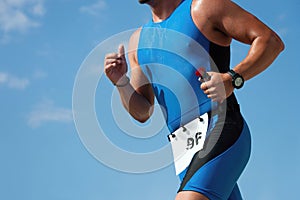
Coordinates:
x,y
142,120
282,46
276,42
143,117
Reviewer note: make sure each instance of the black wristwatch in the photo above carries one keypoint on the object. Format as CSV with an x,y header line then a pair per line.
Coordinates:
x,y
237,79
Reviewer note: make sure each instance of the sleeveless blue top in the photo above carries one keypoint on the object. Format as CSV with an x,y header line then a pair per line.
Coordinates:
x,y
169,53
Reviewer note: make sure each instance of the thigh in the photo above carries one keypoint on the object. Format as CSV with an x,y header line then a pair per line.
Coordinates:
x,y
190,195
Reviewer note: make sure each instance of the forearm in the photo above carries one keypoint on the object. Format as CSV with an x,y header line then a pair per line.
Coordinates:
x,y
136,104
262,53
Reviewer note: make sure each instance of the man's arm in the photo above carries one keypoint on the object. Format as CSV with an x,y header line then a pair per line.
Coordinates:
x,y
244,27
137,95
221,21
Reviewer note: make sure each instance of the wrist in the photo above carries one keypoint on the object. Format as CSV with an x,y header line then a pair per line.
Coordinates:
x,y
122,82
227,79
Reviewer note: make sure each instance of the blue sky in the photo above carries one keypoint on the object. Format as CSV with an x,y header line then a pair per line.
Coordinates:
x,y
42,46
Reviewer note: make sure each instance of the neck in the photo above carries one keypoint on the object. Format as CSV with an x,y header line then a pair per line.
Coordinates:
x,y
161,10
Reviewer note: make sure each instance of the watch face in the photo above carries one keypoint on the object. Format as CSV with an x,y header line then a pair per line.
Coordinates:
x,y
237,79
238,82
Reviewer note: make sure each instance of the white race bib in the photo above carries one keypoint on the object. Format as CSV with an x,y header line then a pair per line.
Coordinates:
x,y
188,140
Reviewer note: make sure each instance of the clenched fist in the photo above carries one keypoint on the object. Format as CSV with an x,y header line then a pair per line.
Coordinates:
x,y
115,66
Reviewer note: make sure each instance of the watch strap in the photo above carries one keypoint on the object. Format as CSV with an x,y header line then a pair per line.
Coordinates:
x,y
232,73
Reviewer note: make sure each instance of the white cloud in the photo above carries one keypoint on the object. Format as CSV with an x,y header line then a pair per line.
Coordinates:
x,y
20,15
18,83
13,82
38,9
3,77
46,111
95,8
39,74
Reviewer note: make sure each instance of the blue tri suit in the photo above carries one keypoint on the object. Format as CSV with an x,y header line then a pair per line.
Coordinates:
x,y
169,53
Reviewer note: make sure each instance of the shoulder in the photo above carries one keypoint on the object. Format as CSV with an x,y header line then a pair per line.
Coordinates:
x,y
214,10
133,45
209,17
134,38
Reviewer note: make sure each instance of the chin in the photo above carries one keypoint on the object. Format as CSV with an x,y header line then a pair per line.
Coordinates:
x,y
143,1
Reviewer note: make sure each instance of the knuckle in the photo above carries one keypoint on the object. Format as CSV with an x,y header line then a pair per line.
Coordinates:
x,y
202,86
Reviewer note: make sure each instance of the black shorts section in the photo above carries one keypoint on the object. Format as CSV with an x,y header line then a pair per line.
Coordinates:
x,y
225,133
